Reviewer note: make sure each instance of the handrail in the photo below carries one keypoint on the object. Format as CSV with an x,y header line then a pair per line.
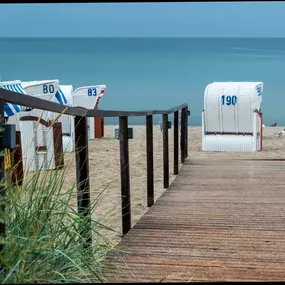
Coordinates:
x,y
81,150
34,102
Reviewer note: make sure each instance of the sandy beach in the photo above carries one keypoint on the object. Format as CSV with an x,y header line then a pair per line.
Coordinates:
x,y
104,169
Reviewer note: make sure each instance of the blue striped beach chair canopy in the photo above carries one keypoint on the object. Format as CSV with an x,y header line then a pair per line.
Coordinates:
x,y
15,86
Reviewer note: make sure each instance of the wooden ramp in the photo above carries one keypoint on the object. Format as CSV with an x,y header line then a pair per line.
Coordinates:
x,y
220,220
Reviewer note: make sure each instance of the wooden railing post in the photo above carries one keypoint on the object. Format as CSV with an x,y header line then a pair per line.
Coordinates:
x,y
175,143
82,177
165,152
149,158
57,144
125,174
2,176
183,134
186,132
18,172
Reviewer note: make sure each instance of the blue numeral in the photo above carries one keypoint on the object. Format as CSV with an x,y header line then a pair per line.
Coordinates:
x,y
48,88
92,92
230,100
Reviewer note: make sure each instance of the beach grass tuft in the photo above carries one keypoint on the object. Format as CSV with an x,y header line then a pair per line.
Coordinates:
x,y
42,242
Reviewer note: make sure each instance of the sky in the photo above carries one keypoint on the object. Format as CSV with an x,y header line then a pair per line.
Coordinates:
x,y
201,19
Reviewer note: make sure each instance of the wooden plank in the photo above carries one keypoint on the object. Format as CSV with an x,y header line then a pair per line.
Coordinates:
x,y
125,175
209,270
228,226
82,177
176,143
165,152
186,135
149,160
34,102
180,107
111,113
35,119
183,136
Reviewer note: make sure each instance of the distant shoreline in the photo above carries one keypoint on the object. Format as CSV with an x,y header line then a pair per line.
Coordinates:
x,y
143,38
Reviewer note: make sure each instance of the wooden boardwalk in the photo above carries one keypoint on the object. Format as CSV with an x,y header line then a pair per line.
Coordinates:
x,y
220,220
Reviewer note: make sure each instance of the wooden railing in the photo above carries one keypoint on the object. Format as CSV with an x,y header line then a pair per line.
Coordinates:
x,y
81,149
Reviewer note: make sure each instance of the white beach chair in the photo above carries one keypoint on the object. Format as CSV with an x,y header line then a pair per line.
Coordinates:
x,y
231,118
38,141
89,97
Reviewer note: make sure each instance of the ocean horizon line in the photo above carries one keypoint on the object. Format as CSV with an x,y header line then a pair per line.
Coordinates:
x,y
148,37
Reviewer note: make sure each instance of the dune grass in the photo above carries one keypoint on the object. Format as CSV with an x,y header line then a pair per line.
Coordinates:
x,y
42,243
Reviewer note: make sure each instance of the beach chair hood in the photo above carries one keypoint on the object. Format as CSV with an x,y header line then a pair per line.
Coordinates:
x,y
89,96
44,89
15,86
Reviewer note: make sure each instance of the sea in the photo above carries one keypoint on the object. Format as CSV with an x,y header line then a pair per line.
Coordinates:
x,y
152,73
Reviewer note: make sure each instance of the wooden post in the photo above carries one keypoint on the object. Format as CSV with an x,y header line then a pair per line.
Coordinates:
x,y
2,176
125,174
261,130
98,127
18,173
82,176
102,127
186,132
175,143
57,144
165,152
149,151
182,140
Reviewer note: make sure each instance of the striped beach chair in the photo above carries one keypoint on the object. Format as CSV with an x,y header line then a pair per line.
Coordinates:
x,y
11,111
